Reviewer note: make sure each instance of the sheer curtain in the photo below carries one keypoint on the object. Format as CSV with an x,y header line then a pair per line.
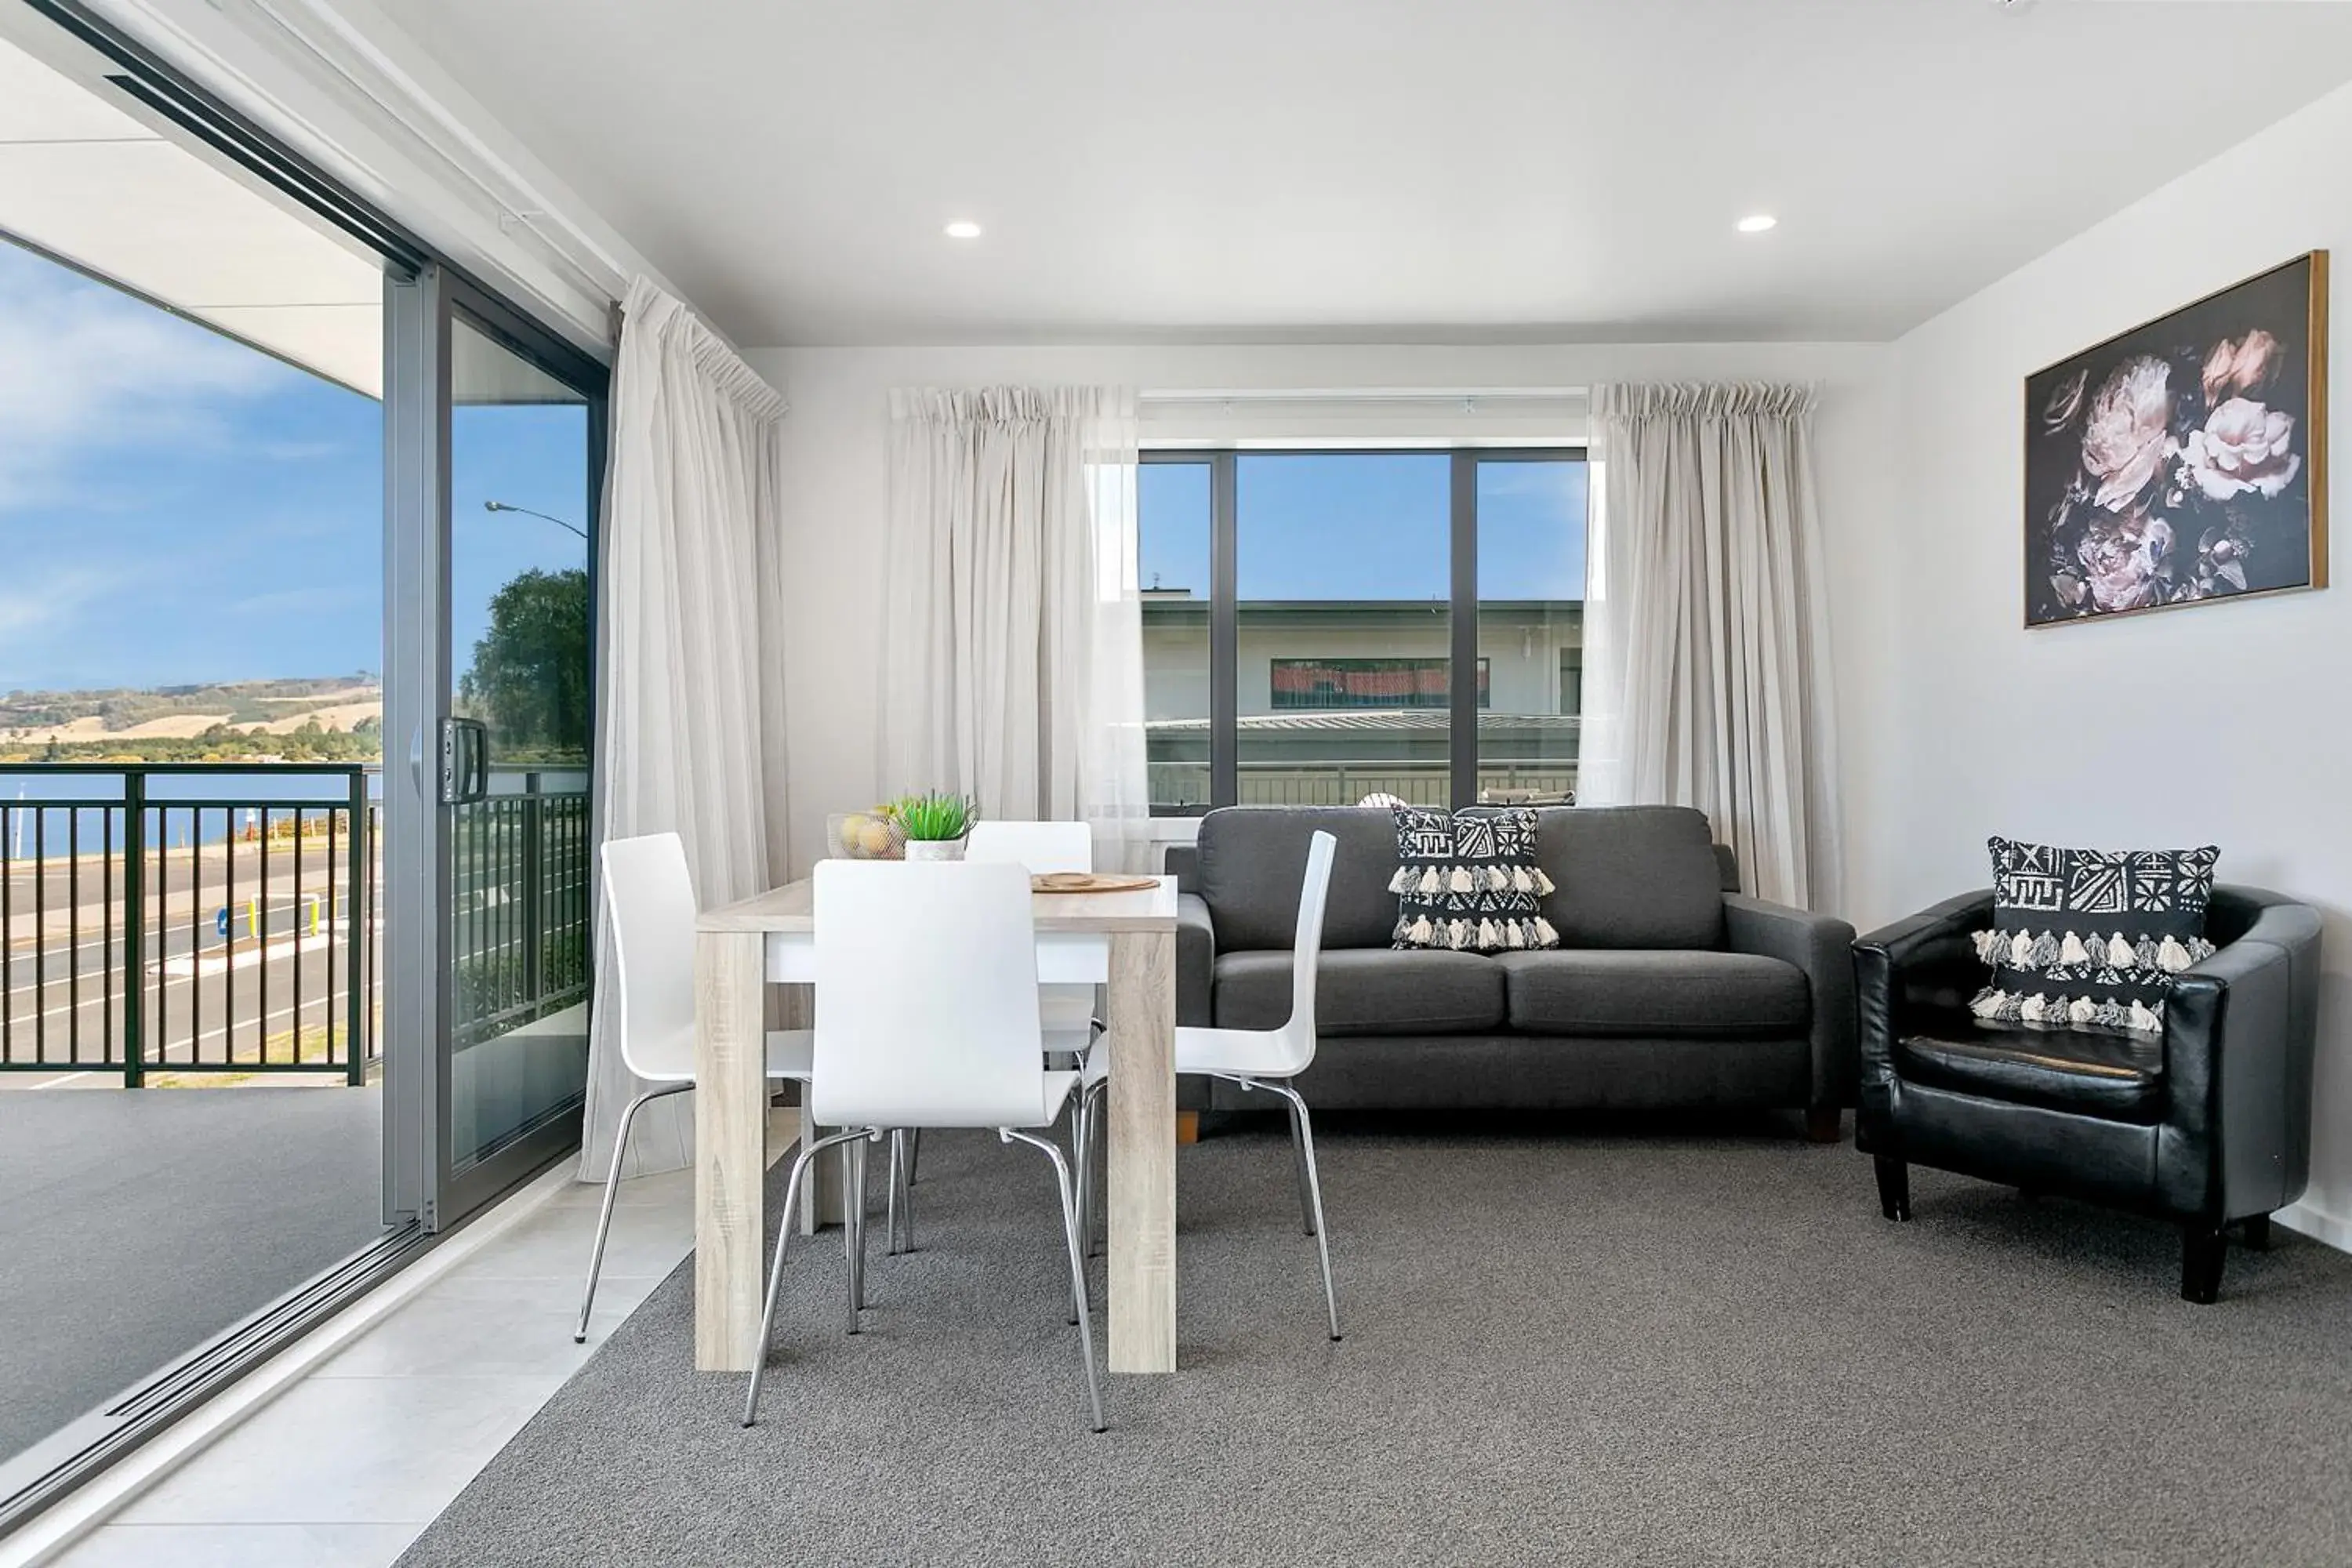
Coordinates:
x,y
1012,651
1707,668
689,602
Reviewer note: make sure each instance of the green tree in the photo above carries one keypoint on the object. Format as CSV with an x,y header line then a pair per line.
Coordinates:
x,y
529,681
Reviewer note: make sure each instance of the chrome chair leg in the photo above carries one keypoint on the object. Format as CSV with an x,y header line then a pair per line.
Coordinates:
x,y
1306,1147
1094,1172
898,1196
776,1269
852,1224
1078,1266
1081,1136
612,1188
1298,1161
914,1152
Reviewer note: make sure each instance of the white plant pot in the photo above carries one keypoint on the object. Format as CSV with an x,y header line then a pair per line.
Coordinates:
x,y
935,848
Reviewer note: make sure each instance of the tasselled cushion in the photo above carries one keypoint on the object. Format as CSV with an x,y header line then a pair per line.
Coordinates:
x,y
1469,883
2091,938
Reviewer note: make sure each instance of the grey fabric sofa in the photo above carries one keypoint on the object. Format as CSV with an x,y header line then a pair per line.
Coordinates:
x,y
1670,989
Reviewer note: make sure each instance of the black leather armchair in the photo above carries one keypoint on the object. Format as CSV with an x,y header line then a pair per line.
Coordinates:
x,y
2208,1126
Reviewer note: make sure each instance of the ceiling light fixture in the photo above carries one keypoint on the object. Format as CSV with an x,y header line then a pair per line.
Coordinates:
x,y
1756,223
963,228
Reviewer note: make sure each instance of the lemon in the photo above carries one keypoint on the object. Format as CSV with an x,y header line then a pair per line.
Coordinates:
x,y
851,828
873,839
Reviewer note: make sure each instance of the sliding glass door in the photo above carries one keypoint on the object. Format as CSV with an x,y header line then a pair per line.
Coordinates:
x,y
523,479
492,570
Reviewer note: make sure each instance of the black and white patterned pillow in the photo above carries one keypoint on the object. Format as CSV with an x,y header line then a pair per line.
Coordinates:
x,y
2091,938
1469,883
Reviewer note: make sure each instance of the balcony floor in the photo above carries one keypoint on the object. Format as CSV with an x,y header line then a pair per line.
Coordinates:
x,y
136,1224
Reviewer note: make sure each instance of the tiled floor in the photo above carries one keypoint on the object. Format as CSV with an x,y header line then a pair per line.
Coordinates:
x,y
346,1466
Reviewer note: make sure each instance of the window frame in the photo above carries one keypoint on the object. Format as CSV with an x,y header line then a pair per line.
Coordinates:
x,y
1462,599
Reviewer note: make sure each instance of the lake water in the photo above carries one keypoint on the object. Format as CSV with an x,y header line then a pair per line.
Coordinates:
x,y
200,808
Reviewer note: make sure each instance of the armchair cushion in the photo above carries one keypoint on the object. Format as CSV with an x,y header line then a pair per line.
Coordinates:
x,y
2104,1073
1604,993
2091,937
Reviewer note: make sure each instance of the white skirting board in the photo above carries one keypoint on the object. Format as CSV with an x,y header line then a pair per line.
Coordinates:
x,y
2305,1220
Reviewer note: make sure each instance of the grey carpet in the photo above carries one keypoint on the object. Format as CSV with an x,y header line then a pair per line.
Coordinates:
x,y
135,1224
1672,1349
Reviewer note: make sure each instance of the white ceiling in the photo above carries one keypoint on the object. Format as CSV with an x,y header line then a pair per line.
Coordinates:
x,y
1462,170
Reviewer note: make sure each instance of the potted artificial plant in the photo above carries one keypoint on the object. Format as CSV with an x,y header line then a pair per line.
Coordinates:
x,y
936,825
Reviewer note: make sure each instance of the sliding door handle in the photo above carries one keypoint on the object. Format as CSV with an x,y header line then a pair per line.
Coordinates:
x,y
465,761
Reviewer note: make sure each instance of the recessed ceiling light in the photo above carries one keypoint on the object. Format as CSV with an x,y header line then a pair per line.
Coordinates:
x,y
1756,223
963,228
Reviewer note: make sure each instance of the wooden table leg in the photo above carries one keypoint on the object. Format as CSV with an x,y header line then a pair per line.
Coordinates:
x,y
1141,1206
730,1153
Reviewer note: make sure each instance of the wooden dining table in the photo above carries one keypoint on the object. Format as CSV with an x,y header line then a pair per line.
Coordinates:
x,y
1124,941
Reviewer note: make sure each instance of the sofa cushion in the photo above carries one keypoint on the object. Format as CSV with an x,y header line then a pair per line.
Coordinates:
x,y
1469,883
1249,862
1599,992
2109,1073
1365,992
1631,877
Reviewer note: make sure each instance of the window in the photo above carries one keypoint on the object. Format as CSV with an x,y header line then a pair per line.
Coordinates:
x,y
1367,682
1173,512
1530,539
1341,565
1323,626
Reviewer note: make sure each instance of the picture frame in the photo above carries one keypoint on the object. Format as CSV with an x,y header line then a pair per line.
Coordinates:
x,y
2183,460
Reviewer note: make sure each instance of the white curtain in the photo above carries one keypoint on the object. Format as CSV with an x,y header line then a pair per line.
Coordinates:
x,y
691,715
1012,641
1707,673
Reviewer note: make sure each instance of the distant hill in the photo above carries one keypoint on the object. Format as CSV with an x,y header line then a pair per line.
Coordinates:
x,y
323,718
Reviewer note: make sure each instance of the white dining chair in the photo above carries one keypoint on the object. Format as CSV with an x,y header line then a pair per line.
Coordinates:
x,y
1254,1059
1042,848
1067,1011
927,1016
650,907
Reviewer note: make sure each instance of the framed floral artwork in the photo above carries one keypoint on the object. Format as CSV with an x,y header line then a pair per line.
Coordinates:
x,y
2185,459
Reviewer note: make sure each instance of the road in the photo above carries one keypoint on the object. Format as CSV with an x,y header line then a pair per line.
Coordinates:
x,y
243,996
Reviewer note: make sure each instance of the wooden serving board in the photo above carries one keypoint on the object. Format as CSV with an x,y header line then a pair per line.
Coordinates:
x,y
1090,882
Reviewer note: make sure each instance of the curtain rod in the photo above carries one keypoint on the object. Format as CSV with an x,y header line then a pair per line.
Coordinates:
x,y
1367,394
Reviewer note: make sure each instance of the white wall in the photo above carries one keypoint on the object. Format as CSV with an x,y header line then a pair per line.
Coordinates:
x,y
836,488
2226,724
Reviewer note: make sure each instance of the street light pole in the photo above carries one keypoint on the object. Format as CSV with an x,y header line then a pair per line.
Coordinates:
x,y
527,511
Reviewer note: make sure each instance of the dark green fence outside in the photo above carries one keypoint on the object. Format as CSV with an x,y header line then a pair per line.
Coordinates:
x,y
256,943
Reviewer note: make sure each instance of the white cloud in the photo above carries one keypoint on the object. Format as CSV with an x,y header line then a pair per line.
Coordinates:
x,y
83,368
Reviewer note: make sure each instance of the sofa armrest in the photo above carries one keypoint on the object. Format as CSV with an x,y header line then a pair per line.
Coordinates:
x,y
2240,1032
1823,946
1926,961
1196,960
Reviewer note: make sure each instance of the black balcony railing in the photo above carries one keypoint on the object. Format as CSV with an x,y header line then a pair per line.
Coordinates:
x,y
520,865
187,917
224,918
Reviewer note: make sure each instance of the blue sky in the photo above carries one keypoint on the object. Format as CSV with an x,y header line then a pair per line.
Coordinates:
x,y
1367,526
177,507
